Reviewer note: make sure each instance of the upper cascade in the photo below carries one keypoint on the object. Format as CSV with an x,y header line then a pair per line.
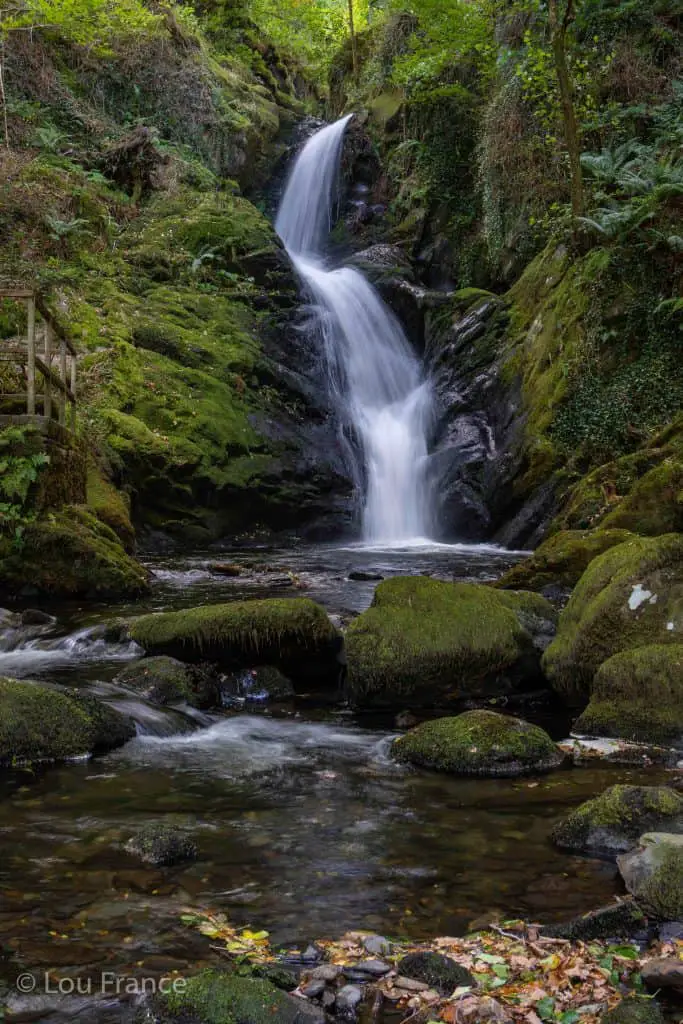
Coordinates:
x,y
383,403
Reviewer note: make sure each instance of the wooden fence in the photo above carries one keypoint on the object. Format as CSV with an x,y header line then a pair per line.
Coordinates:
x,y
47,360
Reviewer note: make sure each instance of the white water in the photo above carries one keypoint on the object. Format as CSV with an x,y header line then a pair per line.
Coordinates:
x,y
375,378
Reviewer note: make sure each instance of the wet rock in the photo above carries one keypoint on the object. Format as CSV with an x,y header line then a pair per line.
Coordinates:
x,y
436,971
34,617
583,750
360,576
634,1011
479,743
653,873
612,822
276,975
162,845
665,973
326,972
410,984
617,921
406,720
479,1009
377,945
162,680
312,954
348,998
367,969
215,996
256,684
672,931
223,569
312,989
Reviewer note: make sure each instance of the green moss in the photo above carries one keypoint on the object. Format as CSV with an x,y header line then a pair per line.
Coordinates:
x,y
630,596
634,1011
162,845
612,822
67,554
41,724
424,641
661,891
436,970
110,506
285,632
562,559
479,743
638,695
164,680
219,998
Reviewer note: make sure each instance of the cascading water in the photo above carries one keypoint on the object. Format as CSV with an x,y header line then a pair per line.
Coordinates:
x,y
375,378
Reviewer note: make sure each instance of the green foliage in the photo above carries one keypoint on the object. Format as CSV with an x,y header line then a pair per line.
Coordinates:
x,y
20,466
311,31
84,22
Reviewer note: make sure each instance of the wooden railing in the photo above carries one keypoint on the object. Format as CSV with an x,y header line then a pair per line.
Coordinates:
x,y
52,387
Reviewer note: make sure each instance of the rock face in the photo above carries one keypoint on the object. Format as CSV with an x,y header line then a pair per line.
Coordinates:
x,y
630,596
638,695
562,559
293,634
424,642
612,822
215,997
162,845
653,872
41,724
479,743
164,680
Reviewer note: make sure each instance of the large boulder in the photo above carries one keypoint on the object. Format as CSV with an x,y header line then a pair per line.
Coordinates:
x,y
216,997
479,743
612,822
561,559
38,723
638,695
653,872
424,642
293,634
630,596
163,680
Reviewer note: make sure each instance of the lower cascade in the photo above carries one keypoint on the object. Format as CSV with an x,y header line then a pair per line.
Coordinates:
x,y
383,402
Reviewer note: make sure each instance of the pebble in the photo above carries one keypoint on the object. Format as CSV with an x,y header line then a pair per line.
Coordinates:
x,y
348,998
367,969
312,989
409,984
377,945
311,954
326,972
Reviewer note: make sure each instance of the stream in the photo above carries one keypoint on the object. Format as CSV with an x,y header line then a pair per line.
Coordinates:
x,y
305,826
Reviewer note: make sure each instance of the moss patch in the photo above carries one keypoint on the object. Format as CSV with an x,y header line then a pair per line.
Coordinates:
x,y
220,998
638,695
110,506
479,743
293,634
634,1011
424,641
562,559
612,822
164,680
654,874
630,596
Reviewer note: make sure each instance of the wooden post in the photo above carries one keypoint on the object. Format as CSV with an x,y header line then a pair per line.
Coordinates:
x,y
73,391
62,374
47,406
31,361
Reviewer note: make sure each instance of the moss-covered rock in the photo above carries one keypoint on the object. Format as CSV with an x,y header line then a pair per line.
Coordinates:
x,y
293,634
562,559
634,1011
111,507
617,921
423,642
70,553
162,845
612,822
479,743
653,872
214,997
436,970
163,680
38,723
638,695
630,596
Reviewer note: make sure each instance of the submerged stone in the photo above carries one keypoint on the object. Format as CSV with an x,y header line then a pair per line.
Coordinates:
x,y
612,822
425,642
479,743
162,845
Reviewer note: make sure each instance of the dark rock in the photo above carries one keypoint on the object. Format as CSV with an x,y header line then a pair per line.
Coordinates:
x,y
34,617
672,931
256,684
634,1011
162,845
278,976
312,954
360,576
216,997
612,822
326,972
348,999
665,973
312,989
227,570
366,969
377,945
405,720
617,921
435,970
163,680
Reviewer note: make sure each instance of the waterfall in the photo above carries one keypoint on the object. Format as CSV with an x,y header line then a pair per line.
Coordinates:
x,y
375,379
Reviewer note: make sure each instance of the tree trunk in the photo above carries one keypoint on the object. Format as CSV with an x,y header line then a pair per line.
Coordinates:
x,y
558,32
352,32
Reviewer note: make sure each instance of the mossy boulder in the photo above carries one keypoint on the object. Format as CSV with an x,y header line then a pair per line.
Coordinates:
x,y
424,642
70,554
436,970
617,921
163,680
293,634
216,997
111,507
612,822
653,872
162,845
38,723
479,743
638,695
562,559
630,596
634,1011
